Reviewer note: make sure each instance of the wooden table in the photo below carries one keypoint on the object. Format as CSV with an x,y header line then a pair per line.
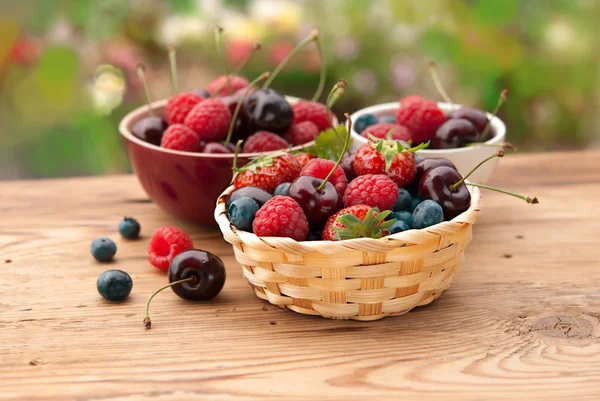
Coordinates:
x,y
520,320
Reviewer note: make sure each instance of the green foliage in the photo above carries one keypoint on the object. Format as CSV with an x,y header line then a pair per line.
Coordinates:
x,y
330,143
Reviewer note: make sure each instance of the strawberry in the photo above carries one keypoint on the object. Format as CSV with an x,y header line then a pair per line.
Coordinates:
x,y
304,158
392,158
268,171
359,221
421,116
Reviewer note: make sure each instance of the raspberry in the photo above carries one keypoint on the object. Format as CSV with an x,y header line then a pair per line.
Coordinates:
x,y
210,119
264,141
301,133
421,116
304,158
180,137
268,171
305,110
219,86
375,190
178,107
281,216
319,168
166,243
380,130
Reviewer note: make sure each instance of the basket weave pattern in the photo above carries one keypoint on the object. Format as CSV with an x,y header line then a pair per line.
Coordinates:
x,y
361,279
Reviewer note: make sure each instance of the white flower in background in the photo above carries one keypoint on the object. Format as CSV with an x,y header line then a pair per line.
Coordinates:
x,y
346,48
364,82
239,27
60,32
283,15
404,35
404,73
107,88
176,29
561,37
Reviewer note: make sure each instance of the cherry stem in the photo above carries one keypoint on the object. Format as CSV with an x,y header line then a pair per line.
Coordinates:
x,y
238,147
504,145
238,106
322,74
339,160
529,199
438,83
334,95
140,73
257,47
147,321
173,69
501,101
499,153
218,33
310,38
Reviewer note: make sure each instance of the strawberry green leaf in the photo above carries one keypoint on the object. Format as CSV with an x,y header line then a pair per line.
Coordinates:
x,y
327,145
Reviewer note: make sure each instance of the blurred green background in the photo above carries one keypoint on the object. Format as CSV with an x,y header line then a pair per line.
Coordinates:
x,y
59,112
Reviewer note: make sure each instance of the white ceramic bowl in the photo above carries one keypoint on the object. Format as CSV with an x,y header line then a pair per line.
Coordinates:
x,y
463,158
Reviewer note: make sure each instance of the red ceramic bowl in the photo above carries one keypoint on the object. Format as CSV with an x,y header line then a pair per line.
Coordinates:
x,y
183,184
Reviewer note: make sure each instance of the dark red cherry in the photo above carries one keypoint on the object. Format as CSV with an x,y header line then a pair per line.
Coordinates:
x,y
436,184
267,110
476,117
150,129
258,194
318,205
454,133
203,93
216,147
427,164
347,165
207,269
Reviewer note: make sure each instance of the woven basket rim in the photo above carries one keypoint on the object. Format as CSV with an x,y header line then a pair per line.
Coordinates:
x,y
408,237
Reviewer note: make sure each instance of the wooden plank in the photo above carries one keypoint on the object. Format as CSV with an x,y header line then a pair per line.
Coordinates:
x,y
520,319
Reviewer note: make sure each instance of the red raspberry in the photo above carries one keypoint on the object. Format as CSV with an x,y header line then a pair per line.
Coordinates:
x,y
319,168
305,110
178,107
219,86
304,158
264,141
375,190
180,137
166,243
301,133
421,116
380,130
281,216
399,166
268,171
210,119
329,233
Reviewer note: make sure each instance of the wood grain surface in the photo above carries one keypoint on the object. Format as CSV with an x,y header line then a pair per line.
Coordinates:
x,y
521,319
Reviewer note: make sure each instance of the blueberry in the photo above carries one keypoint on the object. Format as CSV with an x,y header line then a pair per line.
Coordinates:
x,y
364,121
282,189
313,236
397,227
404,200
129,228
241,213
114,285
103,249
415,201
403,216
427,213
388,118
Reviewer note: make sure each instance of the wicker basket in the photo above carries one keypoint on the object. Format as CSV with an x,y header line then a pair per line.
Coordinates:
x,y
361,279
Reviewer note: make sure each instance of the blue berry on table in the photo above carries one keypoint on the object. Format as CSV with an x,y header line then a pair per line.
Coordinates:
x,y
242,212
114,285
427,213
388,118
364,121
282,189
103,249
397,227
403,216
404,200
129,228
415,201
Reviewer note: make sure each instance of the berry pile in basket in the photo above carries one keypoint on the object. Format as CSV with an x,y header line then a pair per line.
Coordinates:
x,y
230,109
382,189
419,120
